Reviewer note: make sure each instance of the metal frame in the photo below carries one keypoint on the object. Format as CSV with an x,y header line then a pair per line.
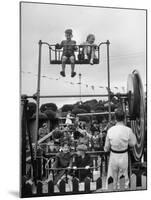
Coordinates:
x,y
65,96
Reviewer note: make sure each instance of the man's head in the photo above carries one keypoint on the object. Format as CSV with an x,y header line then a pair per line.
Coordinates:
x,y
44,125
119,114
81,149
65,147
90,38
68,34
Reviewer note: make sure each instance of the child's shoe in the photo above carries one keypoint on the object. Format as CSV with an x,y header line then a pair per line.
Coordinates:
x,y
73,74
62,73
91,61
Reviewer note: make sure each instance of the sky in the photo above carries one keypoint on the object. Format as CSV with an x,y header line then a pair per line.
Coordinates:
x,y
125,29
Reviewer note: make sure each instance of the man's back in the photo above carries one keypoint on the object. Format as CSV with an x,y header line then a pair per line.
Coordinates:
x,y
119,137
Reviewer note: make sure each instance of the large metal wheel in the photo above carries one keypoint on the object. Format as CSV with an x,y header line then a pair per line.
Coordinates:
x,y
136,104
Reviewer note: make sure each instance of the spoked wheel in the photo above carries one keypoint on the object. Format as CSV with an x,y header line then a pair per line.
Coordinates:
x,y
136,104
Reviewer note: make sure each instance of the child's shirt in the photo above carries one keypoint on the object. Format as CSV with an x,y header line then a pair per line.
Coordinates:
x,y
82,162
63,159
68,46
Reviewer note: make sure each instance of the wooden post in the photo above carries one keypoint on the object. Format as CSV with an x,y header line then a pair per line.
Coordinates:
x,y
39,188
99,183
24,102
50,187
62,186
110,184
87,184
75,183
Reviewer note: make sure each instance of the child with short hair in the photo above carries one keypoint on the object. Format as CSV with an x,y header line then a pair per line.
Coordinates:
x,y
82,161
89,48
69,47
63,160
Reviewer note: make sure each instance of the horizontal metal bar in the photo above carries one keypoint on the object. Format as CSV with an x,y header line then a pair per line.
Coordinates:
x,y
76,96
90,114
70,96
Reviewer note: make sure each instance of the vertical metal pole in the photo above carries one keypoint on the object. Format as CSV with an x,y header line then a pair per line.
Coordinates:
x,y
80,85
38,99
50,55
24,102
108,72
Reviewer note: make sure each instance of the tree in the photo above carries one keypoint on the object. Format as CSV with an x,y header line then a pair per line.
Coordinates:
x,y
84,118
99,108
85,107
48,106
67,107
31,108
78,110
50,114
41,116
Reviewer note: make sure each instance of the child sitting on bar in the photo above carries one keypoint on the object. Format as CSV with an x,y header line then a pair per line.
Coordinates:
x,y
89,49
69,47
82,161
63,160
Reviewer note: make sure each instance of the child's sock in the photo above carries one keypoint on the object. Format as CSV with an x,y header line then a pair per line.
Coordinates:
x,y
85,56
91,61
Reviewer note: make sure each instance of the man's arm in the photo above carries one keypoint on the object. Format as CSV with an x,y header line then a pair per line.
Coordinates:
x,y
107,144
132,139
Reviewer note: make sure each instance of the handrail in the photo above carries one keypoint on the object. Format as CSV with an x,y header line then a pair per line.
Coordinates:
x,y
87,152
77,45
70,168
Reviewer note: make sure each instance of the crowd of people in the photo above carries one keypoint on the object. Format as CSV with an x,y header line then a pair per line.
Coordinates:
x,y
93,136
71,143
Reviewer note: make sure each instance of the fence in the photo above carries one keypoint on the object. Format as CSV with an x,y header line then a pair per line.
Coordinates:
x,y
76,187
72,185
99,160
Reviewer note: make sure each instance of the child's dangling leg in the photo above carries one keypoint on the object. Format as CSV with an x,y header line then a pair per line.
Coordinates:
x,y
92,56
85,51
72,60
64,58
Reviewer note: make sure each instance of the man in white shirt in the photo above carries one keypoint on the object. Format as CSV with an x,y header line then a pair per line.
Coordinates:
x,y
118,138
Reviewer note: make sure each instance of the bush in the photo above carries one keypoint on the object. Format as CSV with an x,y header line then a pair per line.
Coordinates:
x,y
84,118
85,107
48,106
31,108
78,110
41,116
67,107
50,114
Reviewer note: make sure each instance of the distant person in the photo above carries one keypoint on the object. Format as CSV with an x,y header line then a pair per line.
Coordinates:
x,y
89,48
43,130
118,138
63,160
96,141
82,161
69,47
68,119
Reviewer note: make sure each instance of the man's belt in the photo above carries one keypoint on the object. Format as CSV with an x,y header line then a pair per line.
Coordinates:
x,y
123,151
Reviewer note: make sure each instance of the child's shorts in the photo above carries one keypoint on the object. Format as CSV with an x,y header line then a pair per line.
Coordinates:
x,y
68,55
